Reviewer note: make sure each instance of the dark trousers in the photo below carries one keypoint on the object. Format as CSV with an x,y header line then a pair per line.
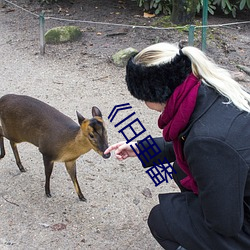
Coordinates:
x,y
156,222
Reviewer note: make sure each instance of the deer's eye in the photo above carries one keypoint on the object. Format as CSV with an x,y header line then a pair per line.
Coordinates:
x,y
91,136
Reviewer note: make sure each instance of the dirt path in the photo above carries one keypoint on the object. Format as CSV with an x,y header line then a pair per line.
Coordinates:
x,y
116,212
74,77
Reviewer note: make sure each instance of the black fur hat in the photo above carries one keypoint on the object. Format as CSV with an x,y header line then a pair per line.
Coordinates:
x,y
156,83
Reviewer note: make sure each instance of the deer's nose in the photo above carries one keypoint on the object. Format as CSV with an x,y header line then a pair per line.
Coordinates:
x,y
106,156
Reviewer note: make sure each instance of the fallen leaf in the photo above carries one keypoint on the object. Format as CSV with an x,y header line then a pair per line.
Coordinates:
x,y
147,15
58,227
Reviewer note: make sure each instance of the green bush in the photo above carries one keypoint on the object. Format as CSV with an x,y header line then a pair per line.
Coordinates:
x,y
165,6
232,6
156,6
211,7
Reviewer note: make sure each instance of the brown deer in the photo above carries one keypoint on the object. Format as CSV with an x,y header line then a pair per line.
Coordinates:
x,y
59,138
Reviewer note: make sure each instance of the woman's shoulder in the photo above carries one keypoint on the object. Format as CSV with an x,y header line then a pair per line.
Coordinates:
x,y
218,119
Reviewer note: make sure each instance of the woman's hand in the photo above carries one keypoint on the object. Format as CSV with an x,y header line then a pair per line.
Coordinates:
x,y
122,150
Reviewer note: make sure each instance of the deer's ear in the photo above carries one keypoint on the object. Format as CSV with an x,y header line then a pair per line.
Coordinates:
x,y
80,118
96,112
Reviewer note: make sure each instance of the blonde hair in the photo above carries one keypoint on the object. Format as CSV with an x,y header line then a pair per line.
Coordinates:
x,y
203,67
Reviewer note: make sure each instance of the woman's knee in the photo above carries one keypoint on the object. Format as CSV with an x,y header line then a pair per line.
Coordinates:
x,y
153,218
156,223
159,229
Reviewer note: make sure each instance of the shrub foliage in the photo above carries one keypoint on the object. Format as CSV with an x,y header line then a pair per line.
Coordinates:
x,y
165,6
227,6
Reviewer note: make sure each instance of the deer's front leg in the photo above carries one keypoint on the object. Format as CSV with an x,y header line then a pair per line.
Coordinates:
x,y
71,168
48,165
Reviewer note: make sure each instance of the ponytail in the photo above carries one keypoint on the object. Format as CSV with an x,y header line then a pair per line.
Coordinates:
x,y
218,78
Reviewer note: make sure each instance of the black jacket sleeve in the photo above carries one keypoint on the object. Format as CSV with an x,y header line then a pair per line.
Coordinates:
x,y
220,173
166,151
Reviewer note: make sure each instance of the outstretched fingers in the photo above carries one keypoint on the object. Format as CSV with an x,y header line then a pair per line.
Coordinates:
x,y
123,150
114,147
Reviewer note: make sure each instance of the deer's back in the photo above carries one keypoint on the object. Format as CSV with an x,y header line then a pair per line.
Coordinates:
x,y
24,118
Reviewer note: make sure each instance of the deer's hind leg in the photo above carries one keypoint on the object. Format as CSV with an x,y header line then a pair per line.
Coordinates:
x,y
1,144
18,161
71,168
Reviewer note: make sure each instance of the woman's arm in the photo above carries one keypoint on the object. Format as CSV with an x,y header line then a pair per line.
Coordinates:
x,y
166,148
124,150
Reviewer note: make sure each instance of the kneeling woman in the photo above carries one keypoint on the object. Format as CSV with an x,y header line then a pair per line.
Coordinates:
x,y
205,118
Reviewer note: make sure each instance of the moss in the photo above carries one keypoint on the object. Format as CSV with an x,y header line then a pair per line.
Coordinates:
x,y
121,58
163,22
63,34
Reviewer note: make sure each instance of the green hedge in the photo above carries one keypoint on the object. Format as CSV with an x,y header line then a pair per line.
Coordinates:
x,y
227,6
165,6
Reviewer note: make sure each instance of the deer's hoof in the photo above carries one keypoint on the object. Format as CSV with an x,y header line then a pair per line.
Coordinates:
x,y
48,195
82,198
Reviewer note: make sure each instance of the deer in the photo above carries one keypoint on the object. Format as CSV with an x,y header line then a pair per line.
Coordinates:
x,y
58,138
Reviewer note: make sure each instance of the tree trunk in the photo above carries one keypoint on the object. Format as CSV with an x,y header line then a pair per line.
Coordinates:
x,y
183,11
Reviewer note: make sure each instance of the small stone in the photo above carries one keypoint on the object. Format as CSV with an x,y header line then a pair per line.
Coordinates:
x,y
136,201
9,243
44,225
62,34
121,58
147,193
2,3
244,68
239,76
